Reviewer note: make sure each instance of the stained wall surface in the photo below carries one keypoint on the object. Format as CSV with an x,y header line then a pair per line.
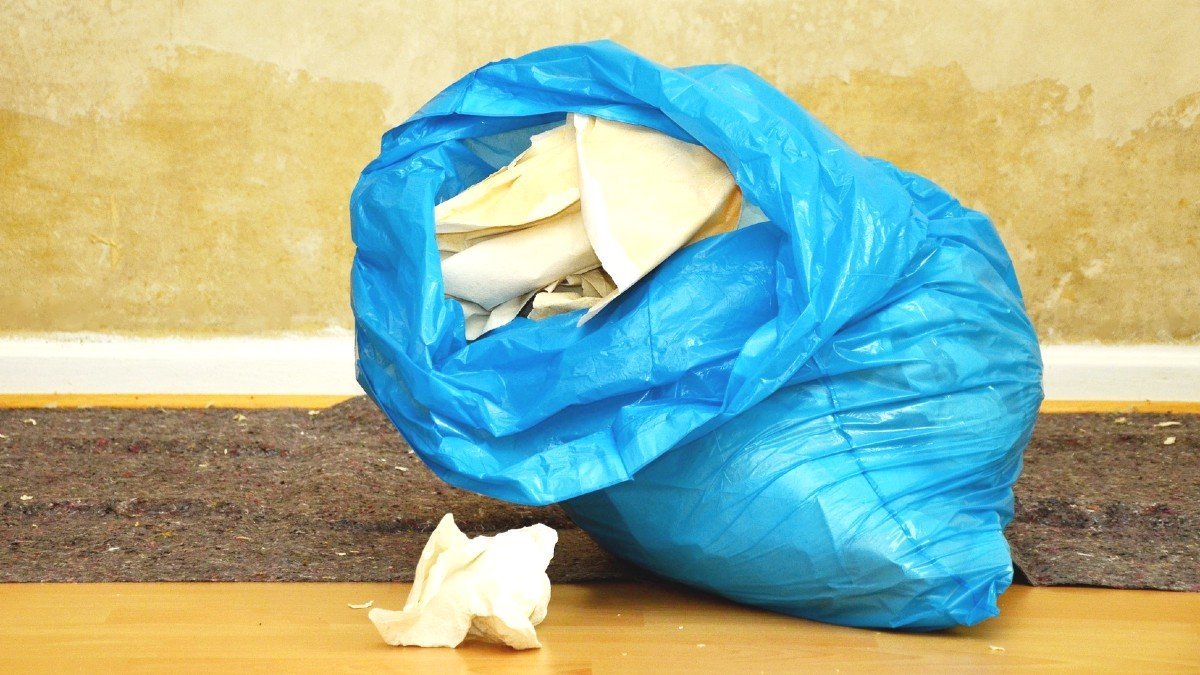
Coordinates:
x,y
179,167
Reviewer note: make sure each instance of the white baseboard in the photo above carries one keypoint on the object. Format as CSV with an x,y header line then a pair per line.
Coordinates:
x,y
1121,372
121,365
91,364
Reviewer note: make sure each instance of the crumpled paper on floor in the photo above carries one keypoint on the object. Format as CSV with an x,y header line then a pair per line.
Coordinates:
x,y
492,588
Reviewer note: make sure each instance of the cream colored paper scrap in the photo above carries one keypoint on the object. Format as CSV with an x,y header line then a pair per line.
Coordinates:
x,y
589,209
492,588
644,194
480,320
539,183
559,302
510,265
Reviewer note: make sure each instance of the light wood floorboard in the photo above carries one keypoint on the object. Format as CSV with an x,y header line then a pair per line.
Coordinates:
x,y
602,628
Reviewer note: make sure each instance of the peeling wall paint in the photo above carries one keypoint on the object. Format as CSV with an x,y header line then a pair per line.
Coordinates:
x,y
184,167
216,203
1105,234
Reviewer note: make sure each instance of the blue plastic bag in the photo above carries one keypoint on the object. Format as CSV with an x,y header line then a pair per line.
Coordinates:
x,y
822,414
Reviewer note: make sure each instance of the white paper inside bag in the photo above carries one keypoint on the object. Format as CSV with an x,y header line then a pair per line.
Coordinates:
x,y
593,283
516,263
461,241
575,292
724,219
644,194
559,302
537,184
480,320
583,214
493,588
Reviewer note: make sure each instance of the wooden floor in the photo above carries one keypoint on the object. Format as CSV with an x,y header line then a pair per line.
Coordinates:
x,y
295,628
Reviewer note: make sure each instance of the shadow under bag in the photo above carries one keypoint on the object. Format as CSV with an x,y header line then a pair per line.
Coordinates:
x,y
822,414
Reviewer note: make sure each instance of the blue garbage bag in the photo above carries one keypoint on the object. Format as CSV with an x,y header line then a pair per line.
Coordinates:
x,y
822,413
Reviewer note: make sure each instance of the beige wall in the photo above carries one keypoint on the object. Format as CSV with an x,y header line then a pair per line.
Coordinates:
x,y
184,167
